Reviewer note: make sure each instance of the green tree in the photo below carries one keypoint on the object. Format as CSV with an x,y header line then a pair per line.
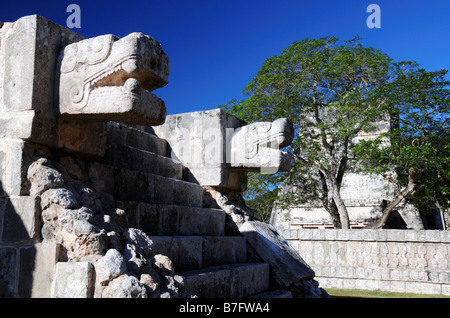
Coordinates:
x,y
331,92
261,197
417,157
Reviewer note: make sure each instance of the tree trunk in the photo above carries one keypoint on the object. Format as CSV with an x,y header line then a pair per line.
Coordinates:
x,y
342,209
335,216
333,211
401,196
343,214
329,205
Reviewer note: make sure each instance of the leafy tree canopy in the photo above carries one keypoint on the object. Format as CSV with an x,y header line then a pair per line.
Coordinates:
x,y
332,92
418,154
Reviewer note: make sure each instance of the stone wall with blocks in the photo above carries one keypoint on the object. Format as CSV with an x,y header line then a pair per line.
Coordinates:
x,y
94,203
413,261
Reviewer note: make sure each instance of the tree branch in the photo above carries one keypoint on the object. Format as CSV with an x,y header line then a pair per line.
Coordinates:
x,y
401,196
322,131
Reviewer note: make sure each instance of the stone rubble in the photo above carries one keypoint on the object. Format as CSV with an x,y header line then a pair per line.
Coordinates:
x,y
90,231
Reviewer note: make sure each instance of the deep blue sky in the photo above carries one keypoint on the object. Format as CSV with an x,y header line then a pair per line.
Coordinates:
x,y
216,47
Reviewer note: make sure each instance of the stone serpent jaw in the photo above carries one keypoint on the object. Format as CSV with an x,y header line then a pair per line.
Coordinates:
x,y
262,142
107,78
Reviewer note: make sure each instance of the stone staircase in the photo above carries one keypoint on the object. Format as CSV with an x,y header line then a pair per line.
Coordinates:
x,y
62,232
138,172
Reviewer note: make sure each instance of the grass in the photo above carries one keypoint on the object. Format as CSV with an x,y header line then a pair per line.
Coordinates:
x,y
357,293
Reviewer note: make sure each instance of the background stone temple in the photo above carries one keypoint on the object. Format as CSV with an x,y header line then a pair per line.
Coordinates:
x,y
364,196
103,195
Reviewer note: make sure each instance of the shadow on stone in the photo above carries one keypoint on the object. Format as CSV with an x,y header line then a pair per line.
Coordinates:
x,y
17,249
289,270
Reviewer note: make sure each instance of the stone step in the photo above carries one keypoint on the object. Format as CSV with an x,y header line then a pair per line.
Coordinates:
x,y
196,252
133,185
131,158
126,135
169,219
227,281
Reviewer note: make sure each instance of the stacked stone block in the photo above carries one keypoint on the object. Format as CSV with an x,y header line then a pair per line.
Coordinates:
x,y
90,207
22,256
171,211
96,166
29,51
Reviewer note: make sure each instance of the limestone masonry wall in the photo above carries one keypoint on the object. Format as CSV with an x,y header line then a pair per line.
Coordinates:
x,y
415,261
94,203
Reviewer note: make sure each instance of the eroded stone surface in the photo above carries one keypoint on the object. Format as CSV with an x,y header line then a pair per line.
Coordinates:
x,y
219,149
27,77
290,270
256,147
89,231
107,78
74,192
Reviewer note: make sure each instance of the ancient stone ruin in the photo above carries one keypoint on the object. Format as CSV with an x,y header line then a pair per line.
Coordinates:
x,y
103,195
